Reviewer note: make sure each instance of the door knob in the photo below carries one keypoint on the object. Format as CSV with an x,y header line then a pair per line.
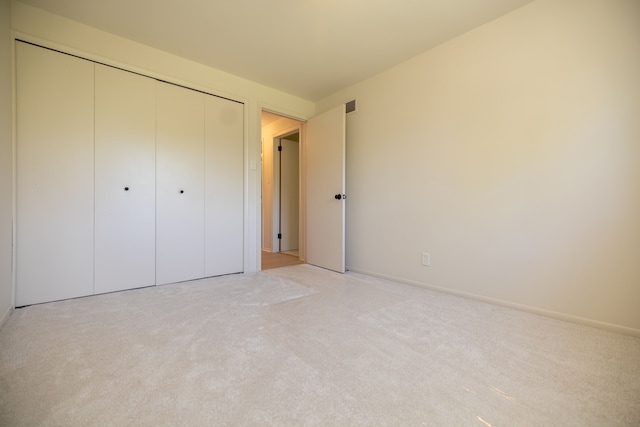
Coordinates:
x,y
181,191
340,196
126,188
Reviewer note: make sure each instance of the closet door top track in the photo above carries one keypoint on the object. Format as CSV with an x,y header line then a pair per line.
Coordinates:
x,y
129,71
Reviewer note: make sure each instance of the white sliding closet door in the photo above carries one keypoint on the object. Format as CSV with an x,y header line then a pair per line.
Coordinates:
x,y
180,184
124,180
224,186
55,106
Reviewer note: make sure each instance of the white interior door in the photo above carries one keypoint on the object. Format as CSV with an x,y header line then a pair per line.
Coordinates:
x,y
179,184
325,161
54,251
125,180
224,186
289,195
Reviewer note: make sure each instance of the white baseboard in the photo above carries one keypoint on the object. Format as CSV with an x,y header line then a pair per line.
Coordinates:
x,y
5,316
530,309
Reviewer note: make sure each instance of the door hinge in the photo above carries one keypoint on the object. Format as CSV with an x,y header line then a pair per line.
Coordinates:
x,y
279,236
279,147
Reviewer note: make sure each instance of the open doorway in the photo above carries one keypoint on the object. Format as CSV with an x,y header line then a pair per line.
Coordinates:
x,y
288,193
283,239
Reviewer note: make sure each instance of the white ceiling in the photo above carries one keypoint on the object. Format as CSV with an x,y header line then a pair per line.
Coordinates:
x,y
308,48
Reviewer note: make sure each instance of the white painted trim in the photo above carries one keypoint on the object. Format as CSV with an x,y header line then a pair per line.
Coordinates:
x,y
302,251
5,317
14,173
303,221
248,265
303,218
275,195
522,307
283,112
252,189
275,207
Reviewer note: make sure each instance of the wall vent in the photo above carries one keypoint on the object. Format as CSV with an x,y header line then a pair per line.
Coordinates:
x,y
351,106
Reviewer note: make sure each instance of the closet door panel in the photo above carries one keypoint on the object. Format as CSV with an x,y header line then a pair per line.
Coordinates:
x,y
54,182
224,186
180,184
124,180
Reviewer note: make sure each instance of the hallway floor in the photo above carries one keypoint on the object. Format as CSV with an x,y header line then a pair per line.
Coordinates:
x,y
279,259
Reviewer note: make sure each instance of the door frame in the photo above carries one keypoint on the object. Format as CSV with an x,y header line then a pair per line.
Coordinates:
x,y
276,224
300,128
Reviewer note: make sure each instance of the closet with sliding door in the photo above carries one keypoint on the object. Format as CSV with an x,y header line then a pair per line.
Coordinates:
x,y
122,181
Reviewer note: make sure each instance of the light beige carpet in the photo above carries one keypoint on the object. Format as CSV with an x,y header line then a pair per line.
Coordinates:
x,y
304,346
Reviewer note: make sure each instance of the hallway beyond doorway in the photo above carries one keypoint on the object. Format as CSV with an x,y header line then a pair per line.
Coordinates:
x,y
272,260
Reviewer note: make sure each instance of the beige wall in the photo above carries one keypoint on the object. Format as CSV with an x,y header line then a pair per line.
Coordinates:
x,y
44,28
512,155
6,177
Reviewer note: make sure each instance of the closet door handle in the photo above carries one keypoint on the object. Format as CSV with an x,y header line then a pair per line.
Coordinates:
x,y
181,191
126,188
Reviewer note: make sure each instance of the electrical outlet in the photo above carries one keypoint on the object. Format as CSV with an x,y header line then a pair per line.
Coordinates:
x,y
426,258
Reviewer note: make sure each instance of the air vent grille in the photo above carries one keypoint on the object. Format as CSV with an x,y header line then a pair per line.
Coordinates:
x,y
351,106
